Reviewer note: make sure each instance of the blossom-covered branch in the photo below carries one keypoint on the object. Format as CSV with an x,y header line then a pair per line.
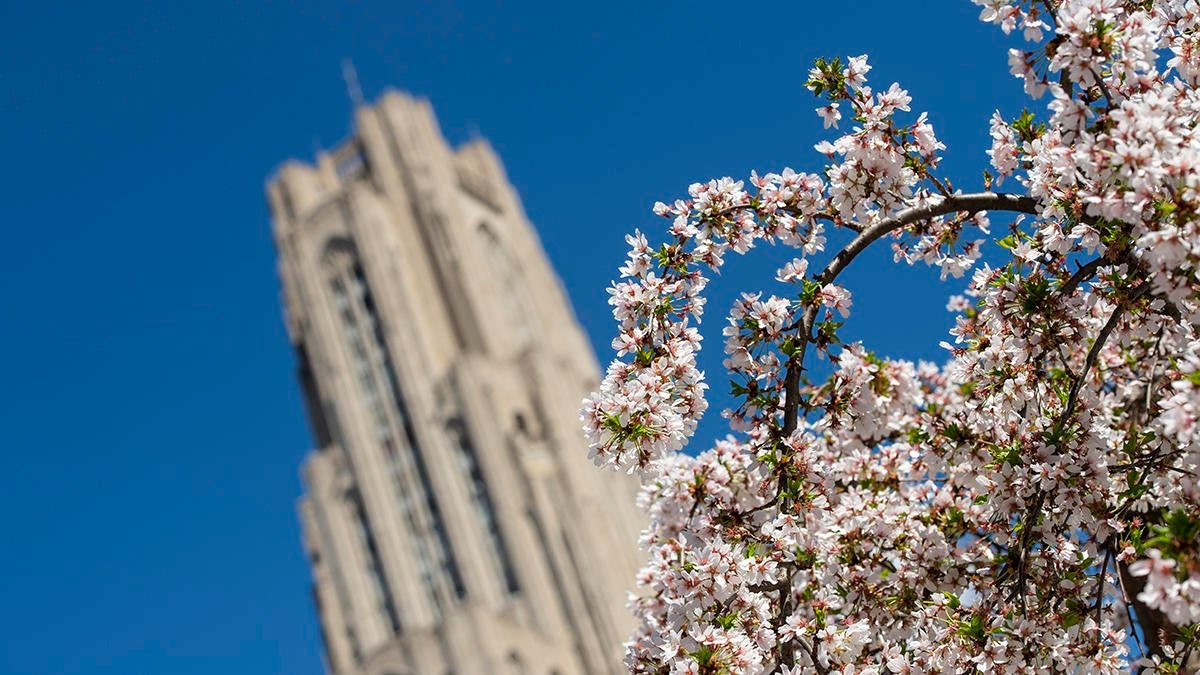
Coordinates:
x,y
1029,506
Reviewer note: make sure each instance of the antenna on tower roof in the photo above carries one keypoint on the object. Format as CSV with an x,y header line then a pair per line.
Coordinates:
x,y
352,87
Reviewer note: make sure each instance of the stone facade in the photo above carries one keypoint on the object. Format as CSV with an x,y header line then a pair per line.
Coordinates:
x,y
452,519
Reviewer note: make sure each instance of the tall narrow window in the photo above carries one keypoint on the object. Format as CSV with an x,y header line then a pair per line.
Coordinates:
x,y
374,370
485,512
379,584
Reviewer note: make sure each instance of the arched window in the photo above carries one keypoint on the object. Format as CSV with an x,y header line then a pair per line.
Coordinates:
x,y
505,277
374,372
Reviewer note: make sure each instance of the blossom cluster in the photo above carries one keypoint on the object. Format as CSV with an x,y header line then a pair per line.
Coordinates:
x,y
1030,506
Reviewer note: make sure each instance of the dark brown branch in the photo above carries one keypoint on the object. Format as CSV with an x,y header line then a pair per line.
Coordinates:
x,y
1104,90
812,655
1155,625
969,203
1100,582
1082,274
1094,353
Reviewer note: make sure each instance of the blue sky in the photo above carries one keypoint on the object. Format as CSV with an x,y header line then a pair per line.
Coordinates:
x,y
151,424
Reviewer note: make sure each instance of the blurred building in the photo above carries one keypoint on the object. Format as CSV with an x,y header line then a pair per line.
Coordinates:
x,y
452,519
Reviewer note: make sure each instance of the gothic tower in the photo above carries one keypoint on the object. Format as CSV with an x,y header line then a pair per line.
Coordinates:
x,y
452,519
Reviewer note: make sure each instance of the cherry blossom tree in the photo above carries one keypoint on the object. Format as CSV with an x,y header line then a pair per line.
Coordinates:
x,y
1029,506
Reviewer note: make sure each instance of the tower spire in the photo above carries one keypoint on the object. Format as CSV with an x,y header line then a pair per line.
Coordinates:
x,y
350,75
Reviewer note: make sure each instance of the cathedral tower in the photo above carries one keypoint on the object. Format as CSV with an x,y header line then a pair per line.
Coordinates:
x,y
451,517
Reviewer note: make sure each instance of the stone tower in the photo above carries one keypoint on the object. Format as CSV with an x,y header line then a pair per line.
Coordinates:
x,y
452,519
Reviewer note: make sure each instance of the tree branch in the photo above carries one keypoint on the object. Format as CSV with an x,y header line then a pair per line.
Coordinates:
x,y
1094,353
969,203
1082,274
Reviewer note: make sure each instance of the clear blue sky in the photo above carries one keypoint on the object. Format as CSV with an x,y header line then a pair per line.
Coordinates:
x,y
151,425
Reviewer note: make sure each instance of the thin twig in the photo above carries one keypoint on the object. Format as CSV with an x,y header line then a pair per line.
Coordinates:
x,y
1081,275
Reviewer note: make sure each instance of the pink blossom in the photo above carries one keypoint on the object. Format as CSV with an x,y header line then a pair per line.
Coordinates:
x,y
986,515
